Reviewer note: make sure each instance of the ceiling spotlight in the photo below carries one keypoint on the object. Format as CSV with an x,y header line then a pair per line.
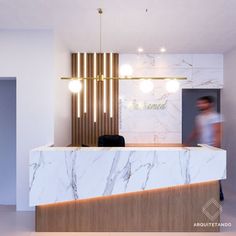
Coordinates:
x,y
140,50
162,49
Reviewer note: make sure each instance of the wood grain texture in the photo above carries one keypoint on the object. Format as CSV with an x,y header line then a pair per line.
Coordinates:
x,y
160,210
74,99
84,129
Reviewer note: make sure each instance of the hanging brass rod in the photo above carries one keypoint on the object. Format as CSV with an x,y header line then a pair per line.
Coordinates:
x,y
125,78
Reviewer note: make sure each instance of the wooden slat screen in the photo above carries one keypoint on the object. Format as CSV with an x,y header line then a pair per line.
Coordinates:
x,y
84,129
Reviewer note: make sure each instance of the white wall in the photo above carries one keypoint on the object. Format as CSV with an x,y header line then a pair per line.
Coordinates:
x,y
28,56
62,102
229,111
7,141
37,59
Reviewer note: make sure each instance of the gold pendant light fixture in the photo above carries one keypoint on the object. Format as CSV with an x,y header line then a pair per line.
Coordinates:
x,y
126,70
125,73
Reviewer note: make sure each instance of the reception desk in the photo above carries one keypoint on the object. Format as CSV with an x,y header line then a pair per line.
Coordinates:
x,y
125,188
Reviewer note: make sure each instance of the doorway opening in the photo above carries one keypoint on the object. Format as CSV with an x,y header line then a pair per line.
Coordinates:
x,y
189,110
7,141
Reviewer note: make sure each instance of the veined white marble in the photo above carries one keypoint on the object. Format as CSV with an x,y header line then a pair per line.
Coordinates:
x,y
63,174
201,70
153,117
162,125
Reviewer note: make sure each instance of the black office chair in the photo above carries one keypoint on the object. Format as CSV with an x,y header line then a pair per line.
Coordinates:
x,y
111,141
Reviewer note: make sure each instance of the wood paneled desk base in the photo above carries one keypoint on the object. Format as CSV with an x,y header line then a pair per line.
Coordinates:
x,y
165,210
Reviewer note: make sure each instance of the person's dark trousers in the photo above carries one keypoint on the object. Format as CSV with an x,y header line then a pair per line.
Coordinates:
x,y
221,192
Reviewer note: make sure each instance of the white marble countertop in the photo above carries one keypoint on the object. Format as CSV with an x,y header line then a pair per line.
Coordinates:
x,y
60,174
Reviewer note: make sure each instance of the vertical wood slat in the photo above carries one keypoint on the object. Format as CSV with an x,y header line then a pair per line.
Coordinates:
x,y
98,71
73,98
81,104
84,114
100,99
73,103
115,95
113,85
84,130
105,113
108,97
92,127
90,100
95,123
114,118
76,98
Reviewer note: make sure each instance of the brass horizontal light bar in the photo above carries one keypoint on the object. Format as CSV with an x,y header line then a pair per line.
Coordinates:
x,y
71,78
124,78
157,78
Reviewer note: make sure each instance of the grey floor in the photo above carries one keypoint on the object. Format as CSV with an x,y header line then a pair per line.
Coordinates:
x,y
22,223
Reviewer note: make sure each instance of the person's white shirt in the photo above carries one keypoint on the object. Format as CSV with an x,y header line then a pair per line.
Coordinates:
x,y
205,129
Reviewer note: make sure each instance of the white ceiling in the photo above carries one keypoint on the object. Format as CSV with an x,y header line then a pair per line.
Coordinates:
x,y
182,26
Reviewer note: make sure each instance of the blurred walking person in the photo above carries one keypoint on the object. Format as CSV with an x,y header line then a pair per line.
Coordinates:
x,y
208,126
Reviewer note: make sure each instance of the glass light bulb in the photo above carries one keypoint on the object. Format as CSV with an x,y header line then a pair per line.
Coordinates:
x,y
162,49
146,86
172,86
75,86
140,50
126,70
